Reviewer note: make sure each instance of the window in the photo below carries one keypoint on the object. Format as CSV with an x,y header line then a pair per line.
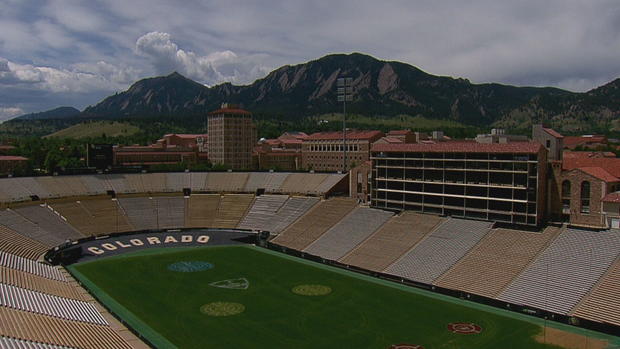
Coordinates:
x,y
585,197
566,196
548,144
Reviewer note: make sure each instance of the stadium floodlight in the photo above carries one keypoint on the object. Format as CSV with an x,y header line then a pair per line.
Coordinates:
x,y
344,91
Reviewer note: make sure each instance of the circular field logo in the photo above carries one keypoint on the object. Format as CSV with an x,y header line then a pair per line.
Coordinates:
x,y
190,266
405,346
464,328
312,290
222,309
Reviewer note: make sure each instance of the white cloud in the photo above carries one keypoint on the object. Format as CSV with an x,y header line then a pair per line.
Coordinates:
x,y
83,78
216,67
9,112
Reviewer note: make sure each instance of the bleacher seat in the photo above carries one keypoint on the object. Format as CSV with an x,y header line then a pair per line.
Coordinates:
x,y
392,240
602,304
496,261
348,233
262,212
202,210
439,250
566,271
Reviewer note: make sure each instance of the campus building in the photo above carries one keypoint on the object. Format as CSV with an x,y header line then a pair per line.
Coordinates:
x,y
232,136
497,182
323,151
170,149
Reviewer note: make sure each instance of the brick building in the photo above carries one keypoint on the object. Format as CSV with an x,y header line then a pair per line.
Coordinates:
x,y
323,151
282,153
497,182
586,141
581,186
171,149
232,137
10,164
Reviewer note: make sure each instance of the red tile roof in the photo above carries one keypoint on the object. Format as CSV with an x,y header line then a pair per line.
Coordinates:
x,y
350,135
462,147
552,132
567,154
599,173
392,140
611,165
12,158
399,132
577,140
186,135
230,111
612,197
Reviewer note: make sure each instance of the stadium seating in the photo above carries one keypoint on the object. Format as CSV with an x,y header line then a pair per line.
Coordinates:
x,y
19,224
439,250
95,216
19,245
95,185
202,209
273,182
315,223
231,210
170,211
394,238
262,212
175,182
42,303
134,183
29,266
118,183
12,343
328,183
154,182
348,233
74,184
198,182
500,257
140,212
33,187
50,221
47,329
303,183
230,182
12,191
54,187
566,271
255,181
603,303
38,283
292,209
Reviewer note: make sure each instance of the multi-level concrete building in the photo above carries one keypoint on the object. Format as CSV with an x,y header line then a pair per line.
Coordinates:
x,y
324,151
232,136
497,182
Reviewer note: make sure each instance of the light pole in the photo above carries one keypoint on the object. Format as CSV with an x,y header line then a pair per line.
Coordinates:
x,y
345,94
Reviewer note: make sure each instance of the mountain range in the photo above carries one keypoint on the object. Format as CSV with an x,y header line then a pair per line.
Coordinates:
x,y
380,89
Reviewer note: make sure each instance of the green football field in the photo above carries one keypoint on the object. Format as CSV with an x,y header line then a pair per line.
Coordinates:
x,y
248,297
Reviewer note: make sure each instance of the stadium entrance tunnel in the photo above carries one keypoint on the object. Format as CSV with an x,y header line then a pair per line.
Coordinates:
x,y
109,245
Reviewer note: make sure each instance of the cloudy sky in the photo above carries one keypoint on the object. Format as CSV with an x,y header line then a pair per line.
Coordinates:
x,y
55,53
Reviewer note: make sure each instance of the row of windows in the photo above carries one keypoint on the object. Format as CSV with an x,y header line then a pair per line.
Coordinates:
x,y
333,147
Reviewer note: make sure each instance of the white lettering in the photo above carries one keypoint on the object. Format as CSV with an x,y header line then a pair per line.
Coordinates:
x,y
95,250
153,240
122,244
170,238
186,238
136,242
108,246
202,239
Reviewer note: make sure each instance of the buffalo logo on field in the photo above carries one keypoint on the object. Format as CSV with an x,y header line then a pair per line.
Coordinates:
x,y
405,346
464,328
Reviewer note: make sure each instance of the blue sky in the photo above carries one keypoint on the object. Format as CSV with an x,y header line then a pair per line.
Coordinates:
x,y
55,53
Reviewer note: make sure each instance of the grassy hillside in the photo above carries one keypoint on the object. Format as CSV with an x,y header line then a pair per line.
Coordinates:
x,y
96,129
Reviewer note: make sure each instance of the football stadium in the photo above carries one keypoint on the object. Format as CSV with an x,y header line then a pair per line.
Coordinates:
x,y
286,260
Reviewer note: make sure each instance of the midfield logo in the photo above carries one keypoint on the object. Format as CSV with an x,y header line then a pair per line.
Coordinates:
x,y
236,284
